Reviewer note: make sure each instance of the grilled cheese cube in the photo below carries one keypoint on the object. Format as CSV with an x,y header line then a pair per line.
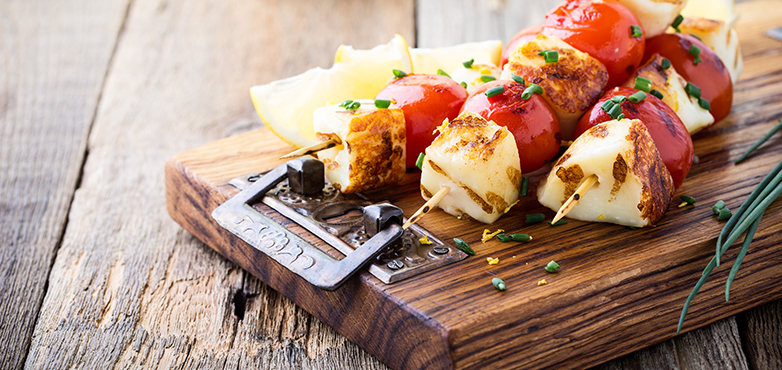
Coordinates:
x,y
479,162
634,187
720,38
372,149
671,85
571,85
655,15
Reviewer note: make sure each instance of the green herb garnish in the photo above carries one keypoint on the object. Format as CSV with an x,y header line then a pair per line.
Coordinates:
x,y
468,64
382,104
443,73
535,218
524,186
656,94
350,104
518,79
399,73
520,237
487,78
496,90
677,22
498,283
686,200
760,142
503,238
552,267
551,56
642,83
463,246
558,223
635,31
420,161
665,63
637,97
693,90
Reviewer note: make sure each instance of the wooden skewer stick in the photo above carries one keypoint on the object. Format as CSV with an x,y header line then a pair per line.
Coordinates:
x,y
421,212
314,148
573,200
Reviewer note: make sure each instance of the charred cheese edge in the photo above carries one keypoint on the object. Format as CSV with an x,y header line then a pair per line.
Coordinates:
x,y
571,85
671,85
634,187
372,149
479,162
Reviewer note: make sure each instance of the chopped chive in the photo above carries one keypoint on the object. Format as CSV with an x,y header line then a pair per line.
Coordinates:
x,y
696,61
399,73
615,111
420,161
536,88
637,97
636,31
518,79
607,105
531,89
665,63
443,73
552,267
558,223
696,37
551,56
464,84
619,99
503,238
694,50
498,283
761,141
524,186
742,253
642,83
717,207
703,103
463,246
656,94
687,199
693,90
468,64
520,237
632,227
345,103
677,22
724,214
620,117
534,218
496,90
382,104
487,78
350,104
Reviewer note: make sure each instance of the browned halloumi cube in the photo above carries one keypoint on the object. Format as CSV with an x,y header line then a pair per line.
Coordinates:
x,y
371,153
571,85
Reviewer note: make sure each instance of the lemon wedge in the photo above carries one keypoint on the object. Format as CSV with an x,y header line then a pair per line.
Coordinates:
x,y
450,58
285,106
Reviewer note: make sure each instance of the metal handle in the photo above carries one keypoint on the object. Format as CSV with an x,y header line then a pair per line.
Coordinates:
x,y
288,249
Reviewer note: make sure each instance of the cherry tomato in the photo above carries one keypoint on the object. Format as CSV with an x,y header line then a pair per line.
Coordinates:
x,y
532,122
710,75
602,29
426,101
523,36
669,133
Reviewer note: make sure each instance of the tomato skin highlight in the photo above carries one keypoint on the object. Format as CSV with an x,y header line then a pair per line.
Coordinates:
x,y
601,29
669,133
521,37
426,101
710,75
532,122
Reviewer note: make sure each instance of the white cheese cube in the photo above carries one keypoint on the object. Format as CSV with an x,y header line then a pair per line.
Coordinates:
x,y
655,15
720,38
479,162
634,187
371,153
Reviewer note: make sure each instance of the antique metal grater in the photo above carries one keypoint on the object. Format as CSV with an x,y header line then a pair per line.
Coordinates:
x,y
338,219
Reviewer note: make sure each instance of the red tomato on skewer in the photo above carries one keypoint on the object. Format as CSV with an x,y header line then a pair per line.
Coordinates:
x,y
602,29
426,101
532,122
669,133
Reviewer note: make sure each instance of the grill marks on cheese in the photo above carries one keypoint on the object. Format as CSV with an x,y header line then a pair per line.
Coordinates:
x,y
475,159
634,187
571,85
372,153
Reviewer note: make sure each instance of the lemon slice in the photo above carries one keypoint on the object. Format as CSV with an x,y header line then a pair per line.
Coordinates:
x,y
450,58
721,10
286,106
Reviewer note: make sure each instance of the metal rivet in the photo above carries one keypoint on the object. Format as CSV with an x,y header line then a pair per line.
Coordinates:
x,y
441,250
395,264
253,177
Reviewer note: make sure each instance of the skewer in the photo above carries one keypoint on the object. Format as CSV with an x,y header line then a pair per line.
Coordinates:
x,y
573,200
421,212
314,148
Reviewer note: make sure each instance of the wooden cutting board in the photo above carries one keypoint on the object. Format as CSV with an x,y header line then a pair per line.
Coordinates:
x,y
618,290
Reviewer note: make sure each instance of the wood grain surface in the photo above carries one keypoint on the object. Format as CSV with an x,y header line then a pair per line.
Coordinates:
x,y
53,60
613,299
129,288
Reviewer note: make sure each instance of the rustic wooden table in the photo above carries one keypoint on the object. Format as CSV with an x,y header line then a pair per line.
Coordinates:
x,y
95,95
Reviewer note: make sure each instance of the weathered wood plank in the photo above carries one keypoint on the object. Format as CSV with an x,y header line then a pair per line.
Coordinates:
x,y
131,289
53,60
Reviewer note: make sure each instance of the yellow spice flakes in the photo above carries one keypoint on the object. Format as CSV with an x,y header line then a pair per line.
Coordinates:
x,y
425,241
487,234
601,216
441,127
492,261
510,206
542,282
